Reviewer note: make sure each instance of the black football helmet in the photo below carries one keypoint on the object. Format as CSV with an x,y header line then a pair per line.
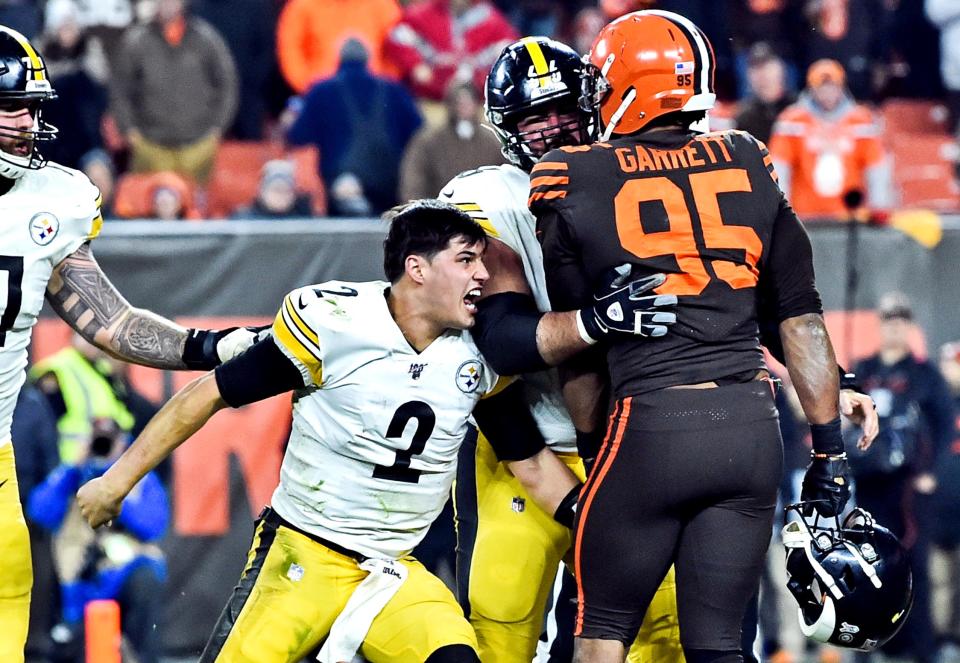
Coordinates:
x,y
529,76
23,83
853,582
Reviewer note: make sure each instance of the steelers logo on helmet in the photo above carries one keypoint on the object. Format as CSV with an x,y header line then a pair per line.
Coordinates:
x,y
43,228
469,375
531,99
24,86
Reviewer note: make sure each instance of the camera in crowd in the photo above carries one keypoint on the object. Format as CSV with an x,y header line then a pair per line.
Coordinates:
x,y
107,441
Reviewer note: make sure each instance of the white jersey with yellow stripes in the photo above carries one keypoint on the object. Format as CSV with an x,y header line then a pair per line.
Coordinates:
x,y
44,217
376,430
496,198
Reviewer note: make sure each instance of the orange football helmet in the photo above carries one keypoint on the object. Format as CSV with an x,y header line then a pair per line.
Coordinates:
x,y
644,65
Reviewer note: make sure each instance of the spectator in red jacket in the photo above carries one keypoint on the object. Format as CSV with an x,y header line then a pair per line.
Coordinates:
x,y
439,39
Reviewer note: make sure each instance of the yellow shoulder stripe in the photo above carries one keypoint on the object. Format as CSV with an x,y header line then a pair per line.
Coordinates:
x,y
296,320
296,336
475,212
503,381
96,225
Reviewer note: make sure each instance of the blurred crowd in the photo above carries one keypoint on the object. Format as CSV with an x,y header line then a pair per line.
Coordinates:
x,y
181,109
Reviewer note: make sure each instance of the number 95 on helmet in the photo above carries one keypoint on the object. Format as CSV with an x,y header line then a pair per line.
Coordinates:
x,y
852,582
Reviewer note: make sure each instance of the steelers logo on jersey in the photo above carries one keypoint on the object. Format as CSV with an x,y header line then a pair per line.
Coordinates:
x,y
44,227
469,375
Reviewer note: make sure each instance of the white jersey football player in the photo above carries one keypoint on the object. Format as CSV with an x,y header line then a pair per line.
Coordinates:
x,y
531,101
48,215
385,378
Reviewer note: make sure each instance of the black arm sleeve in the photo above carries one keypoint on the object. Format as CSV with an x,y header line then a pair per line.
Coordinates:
x,y
505,330
567,283
506,422
259,373
787,287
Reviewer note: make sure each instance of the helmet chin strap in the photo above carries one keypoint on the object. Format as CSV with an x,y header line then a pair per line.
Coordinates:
x,y
822,629
12,166
618,114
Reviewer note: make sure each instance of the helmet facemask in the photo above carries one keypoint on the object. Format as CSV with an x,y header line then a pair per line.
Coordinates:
x,y
13,165
524,146
24,86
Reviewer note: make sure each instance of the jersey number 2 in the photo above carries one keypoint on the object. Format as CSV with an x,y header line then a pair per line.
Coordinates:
x,y
679,241
13,266
426,420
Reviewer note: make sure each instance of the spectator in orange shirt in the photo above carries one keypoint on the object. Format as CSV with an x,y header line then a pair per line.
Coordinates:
x,y
438,40
826,145
310,35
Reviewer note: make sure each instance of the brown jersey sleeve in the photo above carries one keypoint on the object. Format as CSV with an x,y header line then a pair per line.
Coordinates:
x,y
787,285
567,281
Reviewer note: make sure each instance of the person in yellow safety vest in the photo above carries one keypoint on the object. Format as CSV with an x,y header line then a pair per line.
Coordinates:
x,y
79,383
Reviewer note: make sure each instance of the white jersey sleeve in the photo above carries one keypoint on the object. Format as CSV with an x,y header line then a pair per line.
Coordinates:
x,y
44,217
377,426
496,198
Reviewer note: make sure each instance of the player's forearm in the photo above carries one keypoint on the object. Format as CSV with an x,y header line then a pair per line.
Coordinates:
x,y
144,338
545,478
182,416
558,337
812,366
85,298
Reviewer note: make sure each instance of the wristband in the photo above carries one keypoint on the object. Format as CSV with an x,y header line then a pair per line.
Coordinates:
x,y
585,334
826,438
567,509
200,350
588,444
849,380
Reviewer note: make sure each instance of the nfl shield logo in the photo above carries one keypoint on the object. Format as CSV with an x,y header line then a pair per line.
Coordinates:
x,y
518,505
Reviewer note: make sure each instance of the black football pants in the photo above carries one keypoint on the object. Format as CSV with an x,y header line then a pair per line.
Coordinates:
x,y
686,477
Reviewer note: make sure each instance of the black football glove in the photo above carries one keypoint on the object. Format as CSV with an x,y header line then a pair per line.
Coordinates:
x,y
826,485
628,305
206,349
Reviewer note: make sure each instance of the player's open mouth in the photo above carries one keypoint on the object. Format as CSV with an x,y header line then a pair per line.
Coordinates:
x,y
470,301
21,148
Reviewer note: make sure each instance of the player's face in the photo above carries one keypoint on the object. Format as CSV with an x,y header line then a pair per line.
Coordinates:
x,y
15,120
454,282
552,128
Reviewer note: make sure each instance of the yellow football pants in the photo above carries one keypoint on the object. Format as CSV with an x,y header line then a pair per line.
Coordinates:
x,y
292,590
513,560
16,579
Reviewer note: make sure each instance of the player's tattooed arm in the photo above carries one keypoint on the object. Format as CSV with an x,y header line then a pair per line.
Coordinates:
x,y
812,365
85,298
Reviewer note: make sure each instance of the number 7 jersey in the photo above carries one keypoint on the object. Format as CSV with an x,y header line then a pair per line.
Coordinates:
x,y
45,216
703,208
377,427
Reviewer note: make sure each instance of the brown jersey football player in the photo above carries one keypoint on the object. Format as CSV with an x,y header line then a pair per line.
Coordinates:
x,y
689,469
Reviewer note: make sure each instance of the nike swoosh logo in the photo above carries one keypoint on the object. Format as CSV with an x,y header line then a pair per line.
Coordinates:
x,y
300,304
3,482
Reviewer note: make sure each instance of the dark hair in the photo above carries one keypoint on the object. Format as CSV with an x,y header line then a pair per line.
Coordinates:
x,y
424,228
